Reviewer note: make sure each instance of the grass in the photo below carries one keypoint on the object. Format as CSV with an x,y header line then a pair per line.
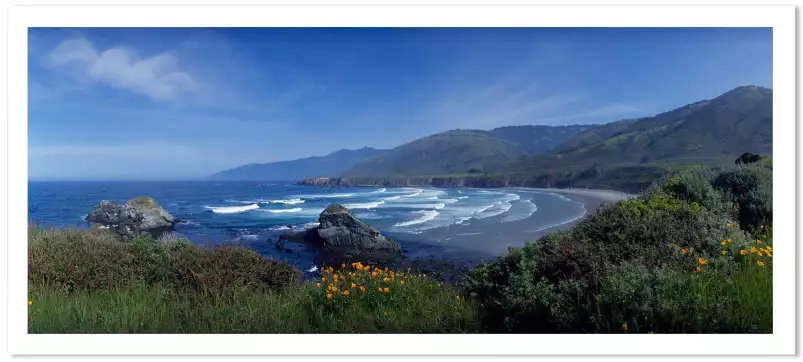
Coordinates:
x,y
691,255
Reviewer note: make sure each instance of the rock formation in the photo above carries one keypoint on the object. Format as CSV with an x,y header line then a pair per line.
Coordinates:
x,y
139,216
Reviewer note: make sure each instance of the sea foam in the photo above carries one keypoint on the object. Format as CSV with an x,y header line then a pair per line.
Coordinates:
x,y
232,209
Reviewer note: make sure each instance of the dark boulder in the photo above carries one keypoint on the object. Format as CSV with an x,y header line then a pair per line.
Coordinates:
x,y
747,158
139,216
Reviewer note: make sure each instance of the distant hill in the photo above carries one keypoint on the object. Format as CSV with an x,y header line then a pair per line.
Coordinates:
x,y
465,151
331,164
704,132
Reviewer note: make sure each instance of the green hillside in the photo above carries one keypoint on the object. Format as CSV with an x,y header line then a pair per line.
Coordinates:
x,y
706,132
461,151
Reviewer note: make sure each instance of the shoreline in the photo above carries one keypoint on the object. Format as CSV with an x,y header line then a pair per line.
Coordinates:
x,y
485,239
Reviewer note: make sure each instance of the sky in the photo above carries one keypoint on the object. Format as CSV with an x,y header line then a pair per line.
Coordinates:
x,y
183,103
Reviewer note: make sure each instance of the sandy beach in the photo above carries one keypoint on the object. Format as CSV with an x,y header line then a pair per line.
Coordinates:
x,y
488,238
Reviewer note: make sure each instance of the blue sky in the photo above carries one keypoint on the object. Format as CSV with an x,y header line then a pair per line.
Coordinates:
x,y
174,103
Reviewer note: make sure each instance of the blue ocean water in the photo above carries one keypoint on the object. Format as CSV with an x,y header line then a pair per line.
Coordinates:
x,y
241,213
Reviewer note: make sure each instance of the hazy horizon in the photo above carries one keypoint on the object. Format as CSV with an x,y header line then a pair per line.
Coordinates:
x,y
183,103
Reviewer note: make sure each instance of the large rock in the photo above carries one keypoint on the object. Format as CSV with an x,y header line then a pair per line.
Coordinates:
x,y
342,238
139,216
340,229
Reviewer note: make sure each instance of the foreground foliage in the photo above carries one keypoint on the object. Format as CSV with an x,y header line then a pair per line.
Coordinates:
x,y
691,255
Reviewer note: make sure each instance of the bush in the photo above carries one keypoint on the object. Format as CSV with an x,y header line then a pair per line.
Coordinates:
x,y
623,265
95,259
750,187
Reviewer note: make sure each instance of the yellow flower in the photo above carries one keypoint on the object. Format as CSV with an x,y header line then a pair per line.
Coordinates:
x,y
760,253
318,285
362,288
769,248
684,251
761,226
723,242
385,280
730,241
346,293
624,326
373,274
353,285
651,332
342,266
323,280
699,269
425,275
729,224
379,290
743,252
702,261
401,282
457,297
328,295
387,290
760,263
758,241
752,249
724,252
769,254
30,303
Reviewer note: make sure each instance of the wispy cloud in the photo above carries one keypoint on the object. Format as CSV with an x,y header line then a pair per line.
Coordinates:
x,y
157,77
604,114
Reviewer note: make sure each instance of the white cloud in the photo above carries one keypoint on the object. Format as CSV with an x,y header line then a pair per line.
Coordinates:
x,y
157,77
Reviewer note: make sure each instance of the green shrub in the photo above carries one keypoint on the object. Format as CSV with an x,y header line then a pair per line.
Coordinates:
x,y
750,187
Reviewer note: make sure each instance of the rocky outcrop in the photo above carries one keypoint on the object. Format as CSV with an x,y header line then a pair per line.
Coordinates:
x,y
747,158
342,237
139,216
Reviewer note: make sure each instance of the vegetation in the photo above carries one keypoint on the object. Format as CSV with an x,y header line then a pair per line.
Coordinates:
x,y
693,254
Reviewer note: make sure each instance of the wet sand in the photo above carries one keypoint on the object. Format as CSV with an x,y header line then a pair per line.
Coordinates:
x,y
486,239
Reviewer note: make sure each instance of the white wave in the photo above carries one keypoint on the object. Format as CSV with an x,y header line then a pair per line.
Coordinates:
x,y
243,201
427,216
530,209
190,222
392,198
280,228
323,196
462,197
247,237
467,234
414,194
439,205
311,225
232,209
297,209
459,192
431,198
561,223
448,201
370,216
367,205
285,202
380,191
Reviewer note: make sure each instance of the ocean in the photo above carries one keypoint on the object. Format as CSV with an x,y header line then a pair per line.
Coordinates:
x,y
248,215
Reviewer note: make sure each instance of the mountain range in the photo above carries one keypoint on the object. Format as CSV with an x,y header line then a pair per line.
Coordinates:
x,y
704,132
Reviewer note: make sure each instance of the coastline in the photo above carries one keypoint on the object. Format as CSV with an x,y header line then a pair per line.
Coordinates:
x,y
485,239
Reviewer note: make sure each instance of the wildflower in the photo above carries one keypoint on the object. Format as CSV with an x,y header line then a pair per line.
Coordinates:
x,y
346,293
425,275
724,252
323,280
769,248
387,290
759,253
379,290
699,269
769,254
758,241
373,274
30,303
702,261
385,280
730,241
651,332
457,297
342,266
752,250
729,224
743,252
328,295
401,282
724,242
353,285
624,326
318,285
684,251
760,263
362,288
761,226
